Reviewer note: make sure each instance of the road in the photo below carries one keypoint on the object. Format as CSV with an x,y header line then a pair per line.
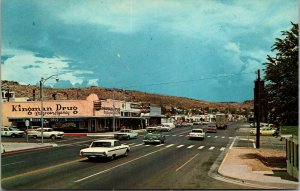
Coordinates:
x,y
180,163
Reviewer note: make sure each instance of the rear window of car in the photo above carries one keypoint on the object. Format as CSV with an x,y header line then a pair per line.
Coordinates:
x,y
197,131
101,144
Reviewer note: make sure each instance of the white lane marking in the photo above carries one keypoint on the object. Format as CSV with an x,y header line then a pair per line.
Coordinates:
x,y
223,137
254,146
169,145
187,162
190,146
147,145
179,146
180,135
232,143
159,145
211,148
201,147
101,172
208,136
216,137
167,135
230,137
222,149
12,163
174,135
137,145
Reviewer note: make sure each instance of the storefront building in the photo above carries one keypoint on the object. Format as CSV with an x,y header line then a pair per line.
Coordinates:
x,y
90,115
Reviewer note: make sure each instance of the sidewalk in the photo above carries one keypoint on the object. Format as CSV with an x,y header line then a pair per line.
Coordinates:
x,y
22,147
248,166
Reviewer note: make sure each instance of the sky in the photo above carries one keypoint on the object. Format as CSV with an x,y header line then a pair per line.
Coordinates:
x,y
202,49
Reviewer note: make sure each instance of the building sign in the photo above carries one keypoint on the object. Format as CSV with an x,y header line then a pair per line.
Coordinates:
x,y
56,110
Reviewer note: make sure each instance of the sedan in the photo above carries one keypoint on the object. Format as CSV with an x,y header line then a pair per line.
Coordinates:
x,y
154,138
264,131
211,128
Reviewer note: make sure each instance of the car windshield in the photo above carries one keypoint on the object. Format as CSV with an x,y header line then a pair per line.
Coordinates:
x,y
152,135
197,131
101,144
13,129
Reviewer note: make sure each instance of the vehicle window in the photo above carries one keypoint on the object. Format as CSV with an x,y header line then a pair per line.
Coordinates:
x,y
13,129
197,131
4,129
101,144
117,143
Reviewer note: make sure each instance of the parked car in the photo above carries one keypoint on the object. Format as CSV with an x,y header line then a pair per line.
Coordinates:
x,y
197,134
105,148
167,127
154,138
211,128
125,134
10,131
47,133
265,131
153,128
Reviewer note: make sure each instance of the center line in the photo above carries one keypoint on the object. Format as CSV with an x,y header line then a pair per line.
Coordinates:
x,y
180,146
13,163
101,172
187,162
191,146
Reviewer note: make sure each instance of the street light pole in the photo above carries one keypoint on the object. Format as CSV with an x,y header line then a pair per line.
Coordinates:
x,y
42,81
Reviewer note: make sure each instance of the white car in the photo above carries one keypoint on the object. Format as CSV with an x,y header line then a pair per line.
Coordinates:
x,y
11,131
153,128
197,134
167,127
106,148
125,134
47,133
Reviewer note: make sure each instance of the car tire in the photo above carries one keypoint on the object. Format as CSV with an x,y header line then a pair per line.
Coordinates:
x,y
126,152
112,157
52,137
13,135
34,136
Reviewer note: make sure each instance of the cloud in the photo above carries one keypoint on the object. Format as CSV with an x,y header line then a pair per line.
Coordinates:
x,y
27,68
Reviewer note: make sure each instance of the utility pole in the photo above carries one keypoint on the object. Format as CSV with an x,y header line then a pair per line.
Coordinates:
x,y
259,105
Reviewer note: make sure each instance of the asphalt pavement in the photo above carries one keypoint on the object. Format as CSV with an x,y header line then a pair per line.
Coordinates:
x,y
234,167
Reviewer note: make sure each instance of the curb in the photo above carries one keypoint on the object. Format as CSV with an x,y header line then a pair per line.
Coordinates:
x,y
24,150
75,134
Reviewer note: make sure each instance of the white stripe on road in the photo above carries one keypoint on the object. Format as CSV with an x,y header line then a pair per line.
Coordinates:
x,y
174,135
216,137
137,145
201,147
169,145
223,137
222,149
187,162
159,145
180,146
101,172
232,143
208,136
147,145
190,146
254,146
180,135
211,148
13,163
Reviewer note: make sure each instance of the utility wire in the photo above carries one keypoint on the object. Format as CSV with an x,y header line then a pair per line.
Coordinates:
x,y
192,80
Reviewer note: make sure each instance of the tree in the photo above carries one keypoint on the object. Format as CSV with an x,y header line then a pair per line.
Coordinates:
x,y
282,78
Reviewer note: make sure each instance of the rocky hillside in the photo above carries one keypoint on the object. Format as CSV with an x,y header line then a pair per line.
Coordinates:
x,y
103,93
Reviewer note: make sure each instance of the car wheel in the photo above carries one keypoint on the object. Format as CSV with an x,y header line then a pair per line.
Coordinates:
x,y
52,137
112,157
13,135
34,136
126,152
128,137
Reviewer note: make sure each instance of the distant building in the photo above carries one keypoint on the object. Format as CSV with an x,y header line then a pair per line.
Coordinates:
x,y
90,115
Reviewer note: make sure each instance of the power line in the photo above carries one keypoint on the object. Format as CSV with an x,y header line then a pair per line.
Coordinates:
x,y
192,80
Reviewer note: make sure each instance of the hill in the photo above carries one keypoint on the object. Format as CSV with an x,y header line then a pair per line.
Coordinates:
x,y
135,96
